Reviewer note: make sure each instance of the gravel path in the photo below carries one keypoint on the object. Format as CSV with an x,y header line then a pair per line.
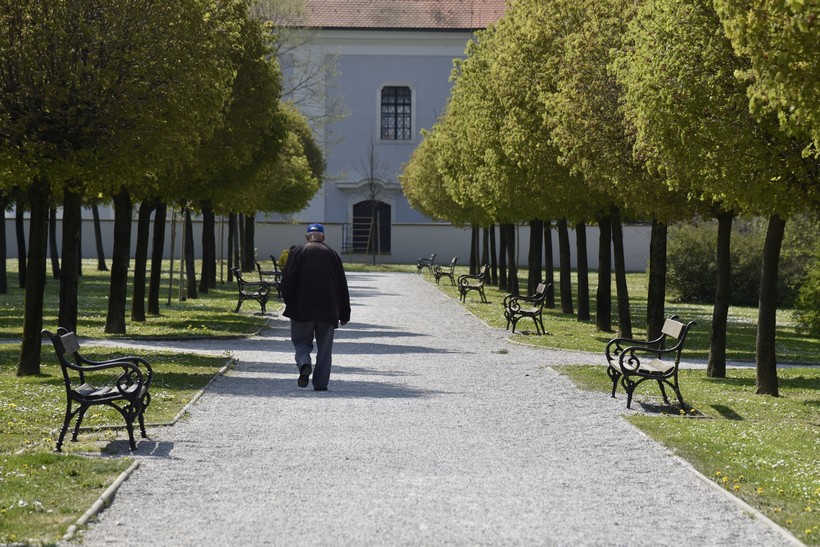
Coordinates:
x,y
435,430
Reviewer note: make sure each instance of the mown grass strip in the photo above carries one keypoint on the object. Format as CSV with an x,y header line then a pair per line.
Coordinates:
x,y
209,315
566,332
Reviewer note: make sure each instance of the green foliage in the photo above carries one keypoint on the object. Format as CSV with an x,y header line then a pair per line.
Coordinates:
x,y
808,300
692,269
761,449
780,39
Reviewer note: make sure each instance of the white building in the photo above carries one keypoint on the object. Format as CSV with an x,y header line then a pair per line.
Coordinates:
x,y
387,64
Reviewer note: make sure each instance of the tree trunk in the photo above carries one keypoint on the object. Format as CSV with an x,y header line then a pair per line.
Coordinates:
x,y
493,257
716,366
565,266
656,293
4,278
173,243
502,259
583,271
233,261
624,319
549,266
190,265
19,224
512,266
52,243
485,247
120,257
141,260
95,212
248,247
157,251
70,272
80,243
766,382
534,257
208,275
603,298
33,300
474,249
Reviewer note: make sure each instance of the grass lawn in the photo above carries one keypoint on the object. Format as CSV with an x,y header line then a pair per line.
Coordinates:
x,y
566,332
209,315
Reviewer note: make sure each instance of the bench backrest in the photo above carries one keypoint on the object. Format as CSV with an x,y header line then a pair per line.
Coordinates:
x,y
66,347
453,263
540,294
675,329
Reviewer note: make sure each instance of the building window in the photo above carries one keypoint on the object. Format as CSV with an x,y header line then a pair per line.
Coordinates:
x,y
395,118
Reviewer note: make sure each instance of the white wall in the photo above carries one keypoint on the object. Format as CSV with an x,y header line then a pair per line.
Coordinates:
x,y
408,242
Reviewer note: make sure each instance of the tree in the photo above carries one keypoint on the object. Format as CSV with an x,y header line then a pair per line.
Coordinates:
x,y
679,76
780,41
101,93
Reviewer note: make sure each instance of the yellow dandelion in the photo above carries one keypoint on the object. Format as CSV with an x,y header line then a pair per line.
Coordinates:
x,y
759,490
808,531
718,473
725,480
788,521
736,487
682,412
808,509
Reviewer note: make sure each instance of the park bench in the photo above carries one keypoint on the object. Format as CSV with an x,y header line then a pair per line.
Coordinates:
x,y
518,307
271,277
635,361
428,263
120,383
446,271
251,290
467,283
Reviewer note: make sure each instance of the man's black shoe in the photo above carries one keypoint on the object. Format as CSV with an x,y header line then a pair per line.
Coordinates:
x,y
304,375
319,389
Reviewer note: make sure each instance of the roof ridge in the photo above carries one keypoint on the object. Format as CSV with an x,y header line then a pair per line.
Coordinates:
x,y
403,14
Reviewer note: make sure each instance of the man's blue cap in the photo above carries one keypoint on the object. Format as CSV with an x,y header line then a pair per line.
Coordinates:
x,y
313,228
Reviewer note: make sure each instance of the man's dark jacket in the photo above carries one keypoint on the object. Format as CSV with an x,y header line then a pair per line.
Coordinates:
x,y
314,285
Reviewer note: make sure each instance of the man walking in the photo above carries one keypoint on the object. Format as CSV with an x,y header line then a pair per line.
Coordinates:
x,y
317,301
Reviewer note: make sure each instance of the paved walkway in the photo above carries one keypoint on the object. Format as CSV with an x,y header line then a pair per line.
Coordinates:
x,y
435,431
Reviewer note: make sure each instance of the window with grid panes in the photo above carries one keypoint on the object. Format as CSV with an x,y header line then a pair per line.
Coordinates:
x,y
395,113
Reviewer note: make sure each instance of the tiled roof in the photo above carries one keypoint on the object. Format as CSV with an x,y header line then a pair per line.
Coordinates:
x,y
403,14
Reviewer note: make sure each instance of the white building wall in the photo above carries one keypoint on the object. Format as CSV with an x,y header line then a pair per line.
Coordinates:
x,y
410,241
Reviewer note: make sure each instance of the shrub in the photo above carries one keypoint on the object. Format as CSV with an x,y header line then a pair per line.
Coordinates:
x,y
692,268
807,312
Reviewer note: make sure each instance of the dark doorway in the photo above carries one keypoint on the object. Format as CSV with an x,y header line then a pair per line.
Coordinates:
x,y
371,227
